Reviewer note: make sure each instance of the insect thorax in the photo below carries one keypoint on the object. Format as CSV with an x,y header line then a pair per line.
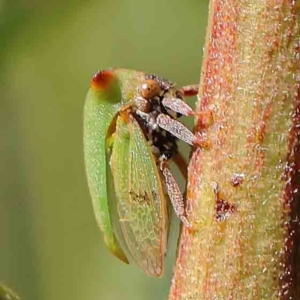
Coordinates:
x,y
149,105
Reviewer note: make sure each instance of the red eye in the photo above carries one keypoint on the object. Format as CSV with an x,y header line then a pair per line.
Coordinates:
x,y
149,89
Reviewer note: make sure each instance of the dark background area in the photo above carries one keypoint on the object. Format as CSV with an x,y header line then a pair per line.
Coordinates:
x,y
50,246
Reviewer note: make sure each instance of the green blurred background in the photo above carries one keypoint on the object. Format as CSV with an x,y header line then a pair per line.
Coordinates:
x,y
50,245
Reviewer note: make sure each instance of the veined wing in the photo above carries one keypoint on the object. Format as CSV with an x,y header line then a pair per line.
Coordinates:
x,y
140,200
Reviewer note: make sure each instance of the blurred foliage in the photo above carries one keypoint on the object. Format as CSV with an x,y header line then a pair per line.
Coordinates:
x,y
7,294
50,245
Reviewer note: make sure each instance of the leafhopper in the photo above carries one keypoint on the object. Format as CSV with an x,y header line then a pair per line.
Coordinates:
x,y
130,134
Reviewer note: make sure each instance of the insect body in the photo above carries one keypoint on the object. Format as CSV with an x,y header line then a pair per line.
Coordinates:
x,y
130,133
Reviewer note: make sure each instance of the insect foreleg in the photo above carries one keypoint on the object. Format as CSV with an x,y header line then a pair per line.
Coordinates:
x,y
178,105
190,90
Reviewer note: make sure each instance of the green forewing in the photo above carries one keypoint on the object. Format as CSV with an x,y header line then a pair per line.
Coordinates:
x,y
109,91
140,200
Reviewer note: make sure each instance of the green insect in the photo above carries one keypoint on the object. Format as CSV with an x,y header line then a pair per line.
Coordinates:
x,y
130,134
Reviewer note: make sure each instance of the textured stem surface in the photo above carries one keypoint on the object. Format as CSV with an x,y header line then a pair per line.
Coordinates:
x,y
243,194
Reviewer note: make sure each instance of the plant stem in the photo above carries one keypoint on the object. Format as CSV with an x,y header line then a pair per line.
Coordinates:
x,y
243,192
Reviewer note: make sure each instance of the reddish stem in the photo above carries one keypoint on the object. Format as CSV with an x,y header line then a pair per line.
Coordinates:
x,y
243,194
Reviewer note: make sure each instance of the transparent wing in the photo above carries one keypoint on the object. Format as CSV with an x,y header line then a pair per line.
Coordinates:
x,y
140,200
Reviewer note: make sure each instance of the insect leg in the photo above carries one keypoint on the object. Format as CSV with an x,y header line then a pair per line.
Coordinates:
x,y
143,115
142,104
178,105
205,117
190,90
174,193
176,128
